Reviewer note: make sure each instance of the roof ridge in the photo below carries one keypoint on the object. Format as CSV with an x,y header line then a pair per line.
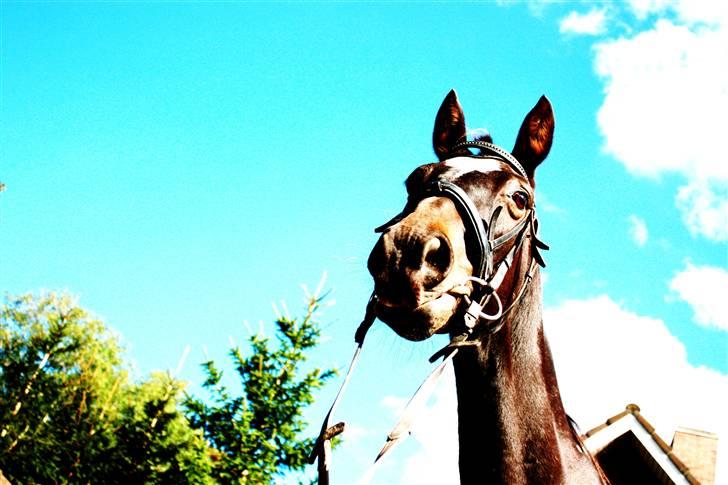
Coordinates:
x,y
634,410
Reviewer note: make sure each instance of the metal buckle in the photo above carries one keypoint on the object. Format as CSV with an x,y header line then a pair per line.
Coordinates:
x,y
472,315
498,313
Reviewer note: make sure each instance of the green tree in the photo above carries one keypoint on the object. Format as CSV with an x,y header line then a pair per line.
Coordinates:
x,y
257,434
154,441
68,412
60,373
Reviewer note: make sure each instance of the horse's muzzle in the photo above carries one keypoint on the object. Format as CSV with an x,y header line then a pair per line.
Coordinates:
x,y
420,267
406,264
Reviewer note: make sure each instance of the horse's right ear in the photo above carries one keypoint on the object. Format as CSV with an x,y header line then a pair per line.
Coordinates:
x,y
449,126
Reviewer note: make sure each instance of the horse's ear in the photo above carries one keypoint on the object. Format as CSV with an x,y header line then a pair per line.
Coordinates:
x,y
449,126
535,136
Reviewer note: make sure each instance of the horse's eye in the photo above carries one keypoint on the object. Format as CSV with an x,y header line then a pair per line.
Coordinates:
x,y
521,199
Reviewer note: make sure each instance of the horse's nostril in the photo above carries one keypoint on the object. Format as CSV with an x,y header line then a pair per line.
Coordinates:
x,y
377,258
437,258
400,279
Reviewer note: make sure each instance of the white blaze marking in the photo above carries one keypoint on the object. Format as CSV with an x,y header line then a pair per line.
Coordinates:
x,y
468,164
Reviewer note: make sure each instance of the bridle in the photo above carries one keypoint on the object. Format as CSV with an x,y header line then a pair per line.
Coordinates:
x,y
487,278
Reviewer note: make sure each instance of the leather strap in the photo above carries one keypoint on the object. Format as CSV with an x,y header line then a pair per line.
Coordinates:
x,y
494,149
322,447
471,219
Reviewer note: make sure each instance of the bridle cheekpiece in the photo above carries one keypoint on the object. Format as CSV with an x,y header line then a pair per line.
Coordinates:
x,y
487,274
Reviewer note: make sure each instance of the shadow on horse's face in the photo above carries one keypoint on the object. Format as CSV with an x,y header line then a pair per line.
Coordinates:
x,y
421,263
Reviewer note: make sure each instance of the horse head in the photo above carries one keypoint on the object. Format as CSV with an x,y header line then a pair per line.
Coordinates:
x,y
429,259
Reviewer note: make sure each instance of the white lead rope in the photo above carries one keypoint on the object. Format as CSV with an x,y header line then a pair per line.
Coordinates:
x,y
403,427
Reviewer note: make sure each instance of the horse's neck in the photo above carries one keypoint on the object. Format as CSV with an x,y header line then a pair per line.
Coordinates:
x,y
512,425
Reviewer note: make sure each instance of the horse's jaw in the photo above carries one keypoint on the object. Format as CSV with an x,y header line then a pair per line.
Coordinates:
x,y
423,321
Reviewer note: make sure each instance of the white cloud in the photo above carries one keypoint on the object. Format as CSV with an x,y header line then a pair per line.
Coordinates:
x,y
546,204
607,357
354,433
704,288
591,23
692,12
641,8
704,209
666,95
638,230
435,431
394,404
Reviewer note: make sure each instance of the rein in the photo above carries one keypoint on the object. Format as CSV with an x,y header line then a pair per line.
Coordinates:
x,y
486,277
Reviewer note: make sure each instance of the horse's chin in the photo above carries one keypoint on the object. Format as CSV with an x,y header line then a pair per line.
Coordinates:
x,y
421,322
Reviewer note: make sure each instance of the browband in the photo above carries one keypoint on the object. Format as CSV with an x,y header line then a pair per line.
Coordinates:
x,y
494,149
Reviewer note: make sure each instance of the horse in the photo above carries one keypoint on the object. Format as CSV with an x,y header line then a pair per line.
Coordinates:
x,y
463,258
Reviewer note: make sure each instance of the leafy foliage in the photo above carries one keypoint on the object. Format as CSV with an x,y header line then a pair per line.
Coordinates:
x,y
154,441
257,434
68,412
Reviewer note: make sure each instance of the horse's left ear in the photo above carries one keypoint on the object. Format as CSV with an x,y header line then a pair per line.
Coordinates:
x,y
535,136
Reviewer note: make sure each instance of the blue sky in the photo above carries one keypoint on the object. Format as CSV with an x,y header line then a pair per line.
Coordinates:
x,y
179,166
